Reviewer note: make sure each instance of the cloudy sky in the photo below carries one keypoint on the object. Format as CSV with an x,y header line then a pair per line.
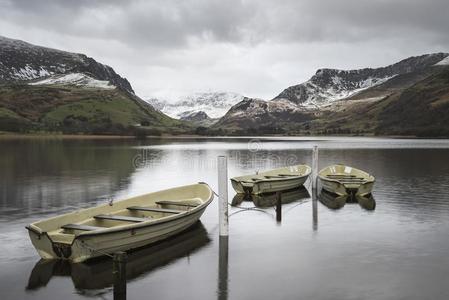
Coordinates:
x,y
168,48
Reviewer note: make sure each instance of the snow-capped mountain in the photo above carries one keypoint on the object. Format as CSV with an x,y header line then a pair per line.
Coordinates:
x,y
78,79
21,61
329,85
214,104
331,91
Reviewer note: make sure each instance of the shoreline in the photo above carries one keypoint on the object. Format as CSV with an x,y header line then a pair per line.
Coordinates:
x,y
11,136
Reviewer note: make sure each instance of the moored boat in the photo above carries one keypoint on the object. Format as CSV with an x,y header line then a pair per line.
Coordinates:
x,y
344,180
272,181
121,226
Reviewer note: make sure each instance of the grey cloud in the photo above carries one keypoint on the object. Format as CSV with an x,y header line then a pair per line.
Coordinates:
x,y
250,46
172,23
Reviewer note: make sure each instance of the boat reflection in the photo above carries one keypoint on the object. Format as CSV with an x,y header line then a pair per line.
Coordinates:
x,y
334,201
269,199
97,274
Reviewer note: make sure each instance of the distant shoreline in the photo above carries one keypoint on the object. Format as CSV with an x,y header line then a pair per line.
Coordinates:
x,y
9,135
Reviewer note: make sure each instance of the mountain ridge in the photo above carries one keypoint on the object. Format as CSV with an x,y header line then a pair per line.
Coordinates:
x,y
328,85
24,61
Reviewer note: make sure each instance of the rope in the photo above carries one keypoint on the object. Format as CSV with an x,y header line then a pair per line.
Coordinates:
x,y
95,250
247,209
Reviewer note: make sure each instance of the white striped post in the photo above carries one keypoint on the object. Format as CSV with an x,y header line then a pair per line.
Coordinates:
x,y
314,167
223,195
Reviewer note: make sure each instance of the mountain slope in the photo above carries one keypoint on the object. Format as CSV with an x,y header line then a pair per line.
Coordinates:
x,y
71,109
328,85
23,61
44,89
422,109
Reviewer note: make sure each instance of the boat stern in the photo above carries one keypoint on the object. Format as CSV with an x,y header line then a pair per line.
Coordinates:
x,y
242,187
41,242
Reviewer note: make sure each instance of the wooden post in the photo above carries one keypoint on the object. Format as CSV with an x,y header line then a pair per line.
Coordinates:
x,y
223,195
278,206
314,167
119,275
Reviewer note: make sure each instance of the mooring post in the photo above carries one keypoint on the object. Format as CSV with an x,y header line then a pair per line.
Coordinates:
x,y
119,275
314,167
223,195
278,206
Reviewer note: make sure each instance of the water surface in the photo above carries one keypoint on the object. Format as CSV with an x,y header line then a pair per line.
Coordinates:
x,y
399,250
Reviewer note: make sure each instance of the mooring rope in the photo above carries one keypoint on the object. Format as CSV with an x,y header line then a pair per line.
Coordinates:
x,y
84,244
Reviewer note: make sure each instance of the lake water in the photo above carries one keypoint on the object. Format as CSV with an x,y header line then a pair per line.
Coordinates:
x,y
399,250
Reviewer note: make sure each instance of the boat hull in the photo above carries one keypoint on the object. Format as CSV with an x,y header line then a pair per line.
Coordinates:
x,y
268,186
276,180
87,247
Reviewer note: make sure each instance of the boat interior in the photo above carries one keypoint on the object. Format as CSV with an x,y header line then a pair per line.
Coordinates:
x,y
130,215
346,175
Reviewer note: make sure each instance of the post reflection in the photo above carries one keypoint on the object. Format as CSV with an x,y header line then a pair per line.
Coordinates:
x,y
314,210
223,266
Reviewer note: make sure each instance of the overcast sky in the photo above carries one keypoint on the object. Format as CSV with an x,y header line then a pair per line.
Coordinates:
x,y
256,48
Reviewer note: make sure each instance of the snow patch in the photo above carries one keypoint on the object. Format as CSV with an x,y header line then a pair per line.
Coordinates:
x,y
444,62
78,79
318,96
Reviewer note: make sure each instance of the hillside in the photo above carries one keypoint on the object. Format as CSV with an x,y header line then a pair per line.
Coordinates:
x,y
72,109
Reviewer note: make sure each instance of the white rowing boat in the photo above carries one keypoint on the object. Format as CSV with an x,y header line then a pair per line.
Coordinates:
x,y
275,180
344,180
124,225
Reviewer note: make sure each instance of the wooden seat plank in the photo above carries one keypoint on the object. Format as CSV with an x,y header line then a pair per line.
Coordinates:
x,y
120,218
170,202
81,227
155,209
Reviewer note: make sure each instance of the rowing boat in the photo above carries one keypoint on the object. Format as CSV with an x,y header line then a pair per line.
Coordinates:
x,y
120,226
344,180
272,181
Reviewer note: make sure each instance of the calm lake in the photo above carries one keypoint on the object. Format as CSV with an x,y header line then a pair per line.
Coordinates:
x,y
399,250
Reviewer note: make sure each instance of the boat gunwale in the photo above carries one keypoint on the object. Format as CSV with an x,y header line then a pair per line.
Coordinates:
x,y
271,180
370,178
110,230
291,177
